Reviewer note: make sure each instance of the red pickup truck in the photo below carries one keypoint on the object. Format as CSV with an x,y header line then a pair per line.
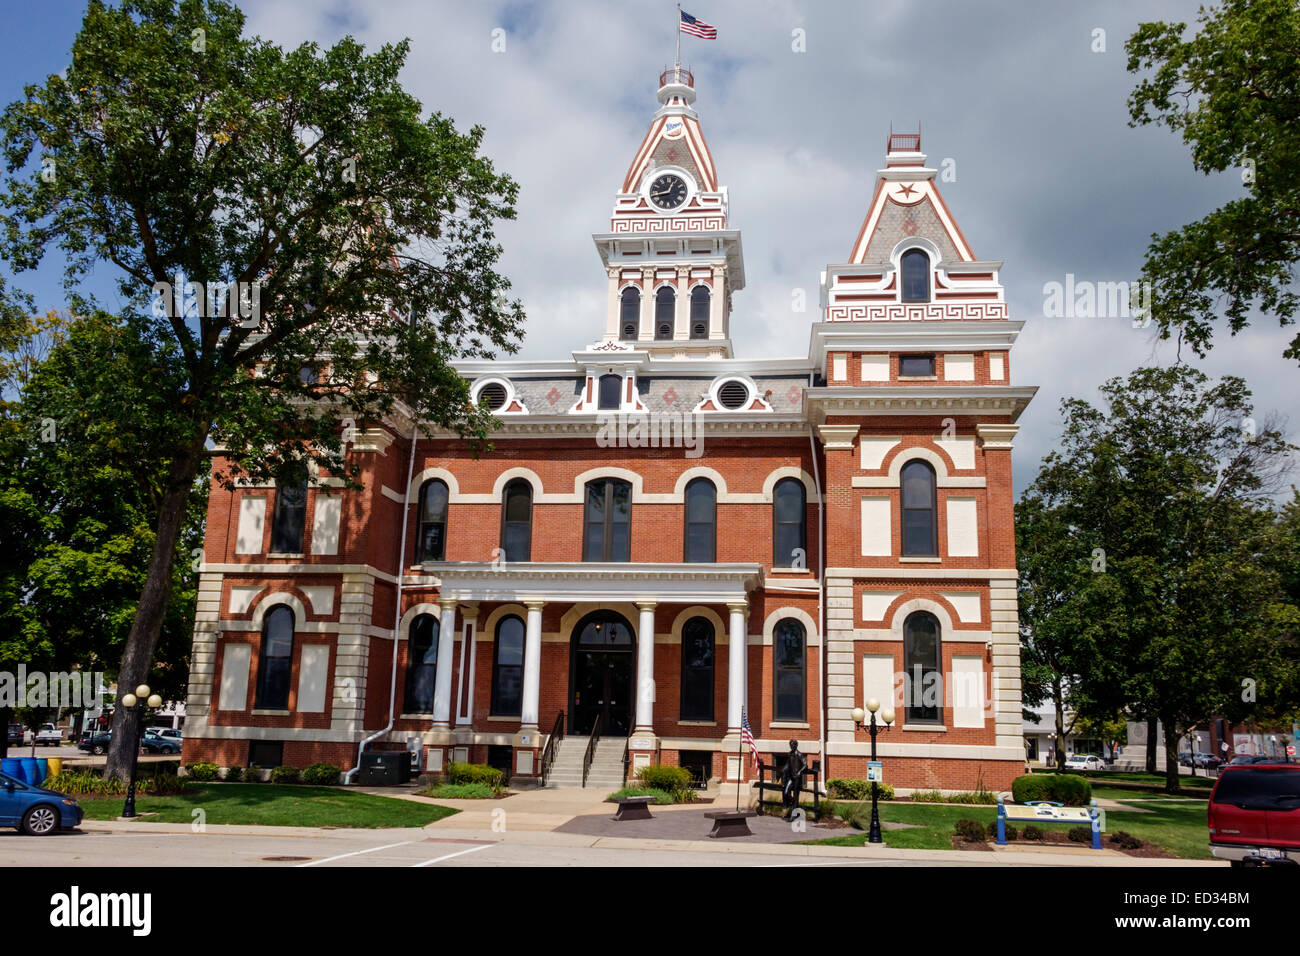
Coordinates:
x,y
1254,815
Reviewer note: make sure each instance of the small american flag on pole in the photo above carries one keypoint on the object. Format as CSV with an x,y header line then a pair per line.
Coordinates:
x,y
697,28
747,735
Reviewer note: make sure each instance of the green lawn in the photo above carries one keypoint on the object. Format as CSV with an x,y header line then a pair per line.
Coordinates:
x,y
1177,827
267,804
1147,779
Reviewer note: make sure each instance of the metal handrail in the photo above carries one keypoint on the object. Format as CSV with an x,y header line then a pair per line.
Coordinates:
x,y
552,745
678,74
591,748
627,753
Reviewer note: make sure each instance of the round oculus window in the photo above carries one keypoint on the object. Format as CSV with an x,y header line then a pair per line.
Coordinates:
x,y
493,395
733,395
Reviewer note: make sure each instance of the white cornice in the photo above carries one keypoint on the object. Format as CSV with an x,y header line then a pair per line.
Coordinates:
x,y
596,581
938,335
918,400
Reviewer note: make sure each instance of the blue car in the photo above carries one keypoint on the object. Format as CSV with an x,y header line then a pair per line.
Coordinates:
x,y
34,811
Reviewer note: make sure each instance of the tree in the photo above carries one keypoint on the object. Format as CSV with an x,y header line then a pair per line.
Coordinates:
x,y
1230,90
358,233
1167,488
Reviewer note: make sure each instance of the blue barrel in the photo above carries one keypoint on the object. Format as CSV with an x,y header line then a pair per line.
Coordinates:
x,y
43,770
30,770
12,767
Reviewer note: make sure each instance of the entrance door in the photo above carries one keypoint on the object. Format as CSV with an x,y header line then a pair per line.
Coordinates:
x,y
604,664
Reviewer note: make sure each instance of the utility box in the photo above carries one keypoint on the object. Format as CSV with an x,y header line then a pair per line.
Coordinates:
x,y
384,768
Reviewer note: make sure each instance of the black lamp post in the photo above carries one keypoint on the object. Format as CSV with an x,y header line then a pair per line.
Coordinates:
x,y
143,699
886,715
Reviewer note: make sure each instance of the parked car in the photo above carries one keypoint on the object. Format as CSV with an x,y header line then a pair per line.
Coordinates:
x,y
1246,760
1205,761
48,736
17,735
169,732
1084,762
96,743
35,811
1254,814
154,744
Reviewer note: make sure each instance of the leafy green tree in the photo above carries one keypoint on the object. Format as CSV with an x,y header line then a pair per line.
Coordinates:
x,y
1230,91
174,146
1166,487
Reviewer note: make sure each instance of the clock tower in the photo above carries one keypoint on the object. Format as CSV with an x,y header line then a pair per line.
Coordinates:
x,y
671,257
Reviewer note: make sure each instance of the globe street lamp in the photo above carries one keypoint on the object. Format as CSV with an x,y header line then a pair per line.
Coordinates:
x,y
141,700
887,716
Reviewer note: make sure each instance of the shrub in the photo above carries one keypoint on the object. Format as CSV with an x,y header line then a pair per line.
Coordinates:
x,y
233,774
83,783
850,788
971,831
671,780
1080,834
1067,788
1033,833
321,775
927,796
202,771
284,774
1125,841
163,785
475,773
971,797
660,796
1011,832
457,791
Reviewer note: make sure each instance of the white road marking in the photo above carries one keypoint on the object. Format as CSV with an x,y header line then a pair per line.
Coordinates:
x,y
472,849
342,856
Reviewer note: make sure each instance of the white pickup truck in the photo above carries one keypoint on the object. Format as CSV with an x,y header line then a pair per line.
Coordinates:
x,y
48,736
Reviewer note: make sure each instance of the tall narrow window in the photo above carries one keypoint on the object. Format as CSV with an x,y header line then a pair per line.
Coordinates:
x,y
275,661
629,315
701,521
610,392
916,276
665,312
421,665
788,531
290,512
517,521
608,521
433,521
923,680
920,532
697,669
700,312
789,669
508,668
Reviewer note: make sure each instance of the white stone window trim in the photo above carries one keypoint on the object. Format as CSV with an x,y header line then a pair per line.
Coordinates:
x,y
712,397
896,261
511,397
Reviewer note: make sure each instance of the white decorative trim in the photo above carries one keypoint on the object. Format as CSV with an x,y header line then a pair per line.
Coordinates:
x,y
478,385
270,601
404,626
720,635
800,615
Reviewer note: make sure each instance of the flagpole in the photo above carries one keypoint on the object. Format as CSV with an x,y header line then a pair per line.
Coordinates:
x,y
677,56
740,758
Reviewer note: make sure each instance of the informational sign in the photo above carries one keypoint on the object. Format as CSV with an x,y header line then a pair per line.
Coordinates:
x,y
875,771
1043,811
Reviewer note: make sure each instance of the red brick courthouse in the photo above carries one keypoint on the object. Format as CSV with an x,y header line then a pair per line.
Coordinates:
x,y
664,535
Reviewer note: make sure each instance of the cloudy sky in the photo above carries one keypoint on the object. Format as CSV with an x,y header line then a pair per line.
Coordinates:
x,y
1049,176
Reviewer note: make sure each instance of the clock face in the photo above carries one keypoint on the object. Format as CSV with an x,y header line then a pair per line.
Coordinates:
x,y
668,191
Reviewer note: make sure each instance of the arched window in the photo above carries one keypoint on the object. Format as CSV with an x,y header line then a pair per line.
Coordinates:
x,y
920,530
915,284
517,521
697,669
421,664
701,521
610,392
700,312
508,668
665,312
629,319
788,532
607,521
789,698
433,521
923,678
290,511
275,661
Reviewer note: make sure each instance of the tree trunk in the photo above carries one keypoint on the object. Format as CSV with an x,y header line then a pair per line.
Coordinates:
x,y
137,656
1171,755
1059,756
1152,727
6,715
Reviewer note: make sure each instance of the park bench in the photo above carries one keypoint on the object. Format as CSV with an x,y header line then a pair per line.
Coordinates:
x,y
633,808
1045,811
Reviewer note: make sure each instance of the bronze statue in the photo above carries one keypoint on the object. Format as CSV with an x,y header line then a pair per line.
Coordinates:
x,y
792,776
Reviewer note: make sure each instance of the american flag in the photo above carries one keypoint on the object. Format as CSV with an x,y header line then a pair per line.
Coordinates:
x,y
747,735
697,28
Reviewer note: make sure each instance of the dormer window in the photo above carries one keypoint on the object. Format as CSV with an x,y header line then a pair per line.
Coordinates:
x,y
665,308
915,268
610,392
630,314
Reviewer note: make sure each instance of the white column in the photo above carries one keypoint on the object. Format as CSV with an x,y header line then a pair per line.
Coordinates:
x,y
442,675
532,664
645,668
465,699
736,646
647,304
717,304
614,321
682,318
